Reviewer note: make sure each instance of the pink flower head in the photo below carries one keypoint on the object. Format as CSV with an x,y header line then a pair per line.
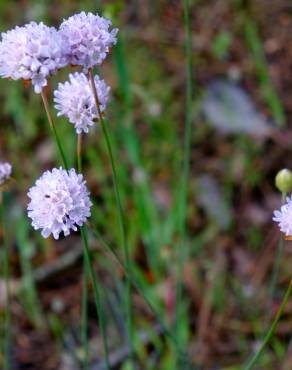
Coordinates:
x,y
88,38
74,99
59,202
31,52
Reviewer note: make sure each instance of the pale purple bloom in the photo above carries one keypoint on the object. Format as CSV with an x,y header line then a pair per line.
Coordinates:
x,y
88,37
59,202
5,171
284,217
31,52
75,100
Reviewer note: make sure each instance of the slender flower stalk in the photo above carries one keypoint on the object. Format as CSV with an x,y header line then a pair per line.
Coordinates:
x,y
84,318
96,294
83,230
86,276
271,331
54,130
168,332
276,266
134,282
6,270
121,217
182,250
79,152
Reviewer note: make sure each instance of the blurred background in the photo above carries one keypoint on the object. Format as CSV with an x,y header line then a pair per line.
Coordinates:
x,y
234,276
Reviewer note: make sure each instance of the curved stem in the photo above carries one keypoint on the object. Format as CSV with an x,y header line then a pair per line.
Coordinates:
x,y
54,130
121,217
182,206
276,268
6,270
86,276
88,273
79,153
140,290
270,332
84,318
88,266
96,294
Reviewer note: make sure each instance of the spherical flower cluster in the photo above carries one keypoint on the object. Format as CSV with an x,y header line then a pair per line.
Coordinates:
x,y
75,100
5,172
88,37
59,202
284,217
31,52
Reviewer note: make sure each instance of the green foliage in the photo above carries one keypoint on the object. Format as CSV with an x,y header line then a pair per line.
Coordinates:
x,y
221,44
146,121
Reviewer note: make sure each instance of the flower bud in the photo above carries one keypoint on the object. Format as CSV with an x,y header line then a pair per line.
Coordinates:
x,y
283,181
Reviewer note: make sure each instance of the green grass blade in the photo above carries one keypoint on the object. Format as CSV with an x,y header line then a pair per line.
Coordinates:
x,y
268,90
270,332
182,206
6,273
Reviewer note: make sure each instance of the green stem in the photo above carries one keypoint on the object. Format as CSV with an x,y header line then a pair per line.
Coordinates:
x,y
54,130
96,294
140,290
79,153
6,270
83,234
84,318
276,267
270,332
86,276
182,250
128,296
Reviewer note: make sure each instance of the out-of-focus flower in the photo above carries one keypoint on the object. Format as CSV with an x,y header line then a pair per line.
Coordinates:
x,y
31,52
5,171
88,38
284,217
75,100
59,202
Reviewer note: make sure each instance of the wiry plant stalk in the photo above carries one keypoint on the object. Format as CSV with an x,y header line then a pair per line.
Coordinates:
x,y
84,318
6,271
87,259
135,284
271,331
79,153
276,265
86,276
182,210
96,294
121,218
54,130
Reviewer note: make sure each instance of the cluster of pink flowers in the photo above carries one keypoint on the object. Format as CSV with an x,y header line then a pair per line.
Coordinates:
x,y
59,200
34,51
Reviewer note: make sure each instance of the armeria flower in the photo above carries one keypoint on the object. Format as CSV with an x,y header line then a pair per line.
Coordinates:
x,y
59,202
31,52
75,100
88,37
284,217
5,171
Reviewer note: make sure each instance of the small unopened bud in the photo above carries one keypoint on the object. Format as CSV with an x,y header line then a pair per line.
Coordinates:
x,y
283,181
